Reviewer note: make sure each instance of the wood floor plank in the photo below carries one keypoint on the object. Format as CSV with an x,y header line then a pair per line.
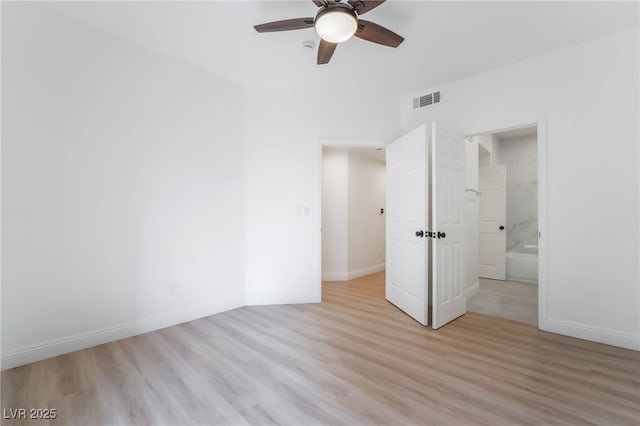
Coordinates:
x,y
352,359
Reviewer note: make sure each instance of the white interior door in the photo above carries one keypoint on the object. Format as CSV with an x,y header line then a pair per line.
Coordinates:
x,y
492,241
407,209
447,209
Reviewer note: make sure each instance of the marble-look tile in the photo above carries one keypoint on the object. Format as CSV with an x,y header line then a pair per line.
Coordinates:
x,y
520,156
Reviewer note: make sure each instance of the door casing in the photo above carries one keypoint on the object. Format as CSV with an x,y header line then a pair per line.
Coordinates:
x,y
333,143
541,125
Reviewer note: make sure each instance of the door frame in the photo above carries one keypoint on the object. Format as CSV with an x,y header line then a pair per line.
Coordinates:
x,y
329,142
541,142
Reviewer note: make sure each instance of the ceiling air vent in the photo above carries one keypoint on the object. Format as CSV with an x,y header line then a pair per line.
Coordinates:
x,y
426,100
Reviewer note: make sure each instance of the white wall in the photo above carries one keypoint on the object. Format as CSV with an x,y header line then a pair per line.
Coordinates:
x,y
520,156
484,154
335,198
367,187
489,143
283,170
592,162
122,176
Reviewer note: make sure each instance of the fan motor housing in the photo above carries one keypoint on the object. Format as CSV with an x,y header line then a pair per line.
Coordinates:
x,y
336,23
343,7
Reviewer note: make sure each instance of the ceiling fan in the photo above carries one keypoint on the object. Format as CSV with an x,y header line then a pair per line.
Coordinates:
x,y
338,21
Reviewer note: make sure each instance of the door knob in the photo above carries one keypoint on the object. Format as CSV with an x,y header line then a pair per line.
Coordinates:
x,y
419,234
502,227
441,235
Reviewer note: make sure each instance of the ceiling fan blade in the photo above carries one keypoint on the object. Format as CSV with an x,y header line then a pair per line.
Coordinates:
x,y
325,51
363,6
375,33
286,25
319,3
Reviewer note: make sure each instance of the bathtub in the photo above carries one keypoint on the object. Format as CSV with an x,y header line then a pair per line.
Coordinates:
x,y
522,264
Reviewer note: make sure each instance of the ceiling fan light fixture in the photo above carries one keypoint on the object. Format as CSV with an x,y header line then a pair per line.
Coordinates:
x,y
336,24
337,21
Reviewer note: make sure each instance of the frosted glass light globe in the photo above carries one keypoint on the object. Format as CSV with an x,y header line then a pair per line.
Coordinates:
x,y
336,25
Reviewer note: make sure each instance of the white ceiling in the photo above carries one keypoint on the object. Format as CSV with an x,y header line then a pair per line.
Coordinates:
x,y
445,41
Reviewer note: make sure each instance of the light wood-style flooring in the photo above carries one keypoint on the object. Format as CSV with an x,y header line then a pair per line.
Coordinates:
x,y
353,359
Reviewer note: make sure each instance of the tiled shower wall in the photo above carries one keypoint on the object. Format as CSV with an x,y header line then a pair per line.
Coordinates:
x,y
520,156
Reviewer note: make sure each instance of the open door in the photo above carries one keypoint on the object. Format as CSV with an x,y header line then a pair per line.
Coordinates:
x,y
409,213
407,218
447,203
492,241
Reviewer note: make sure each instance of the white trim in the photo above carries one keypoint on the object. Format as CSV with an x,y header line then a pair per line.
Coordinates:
x,y
335,276
63,345
366,271
541,124
357,273
317,285
270,299
525,280
543,252
472,290
595,334
351,143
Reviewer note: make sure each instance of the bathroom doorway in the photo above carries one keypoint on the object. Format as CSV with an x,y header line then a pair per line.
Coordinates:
x,y
507,224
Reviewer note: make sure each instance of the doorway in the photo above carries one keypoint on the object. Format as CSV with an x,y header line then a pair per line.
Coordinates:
x,y
507,223
352,212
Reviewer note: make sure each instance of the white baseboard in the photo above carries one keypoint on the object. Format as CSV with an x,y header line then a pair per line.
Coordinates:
x,y
54,347
357,273
472,290
594,334
527,280
366,271
335,276
270,299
